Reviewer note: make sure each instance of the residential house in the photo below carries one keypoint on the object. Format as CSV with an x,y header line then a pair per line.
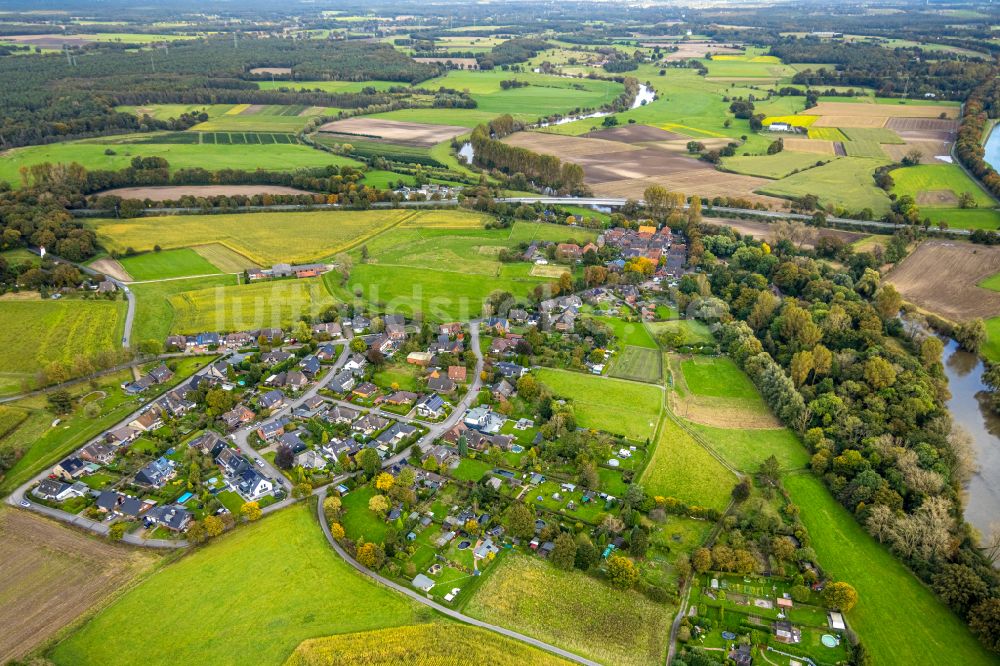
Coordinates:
x,y
292,441
174,518
240,339
442,455
122,436
365,390
356,364
395,331
518,316
274,357
327,329
238,416
70,468
369,424
231,462
296,380
273,429
440,383
499,325
207,340
310,365
148,420
161,374
57,491
511,370
360,323
110,501
98,452
400,398
502,346
568,252
423,583
310,460
786,632
484,420
106,287
503,390
271,334
340,414
486,549
457,373
326,352
431,406
156,474
342,383
395,434
176,403
208,443
272,400
251,485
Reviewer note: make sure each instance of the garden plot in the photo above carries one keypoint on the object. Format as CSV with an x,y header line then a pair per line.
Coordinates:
x,y
394,131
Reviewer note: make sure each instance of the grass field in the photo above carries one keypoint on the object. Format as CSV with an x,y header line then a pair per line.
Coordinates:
x,y
692,332
629,333
717,377
424,644
773,166
747,449
573,611
277,303
403,374
964,218
680,467
182,262
638,363
991,349
826,134
10,419
924,177
223,258
154,313
266,238
359,520
259,591
615,405
57,572
908,625
845,182
876,134
91,154
36,333
864,148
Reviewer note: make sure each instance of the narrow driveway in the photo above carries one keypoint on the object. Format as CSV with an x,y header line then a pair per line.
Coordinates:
x,y
416,596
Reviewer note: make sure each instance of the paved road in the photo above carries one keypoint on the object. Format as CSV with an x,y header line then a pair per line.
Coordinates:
x,y
418,597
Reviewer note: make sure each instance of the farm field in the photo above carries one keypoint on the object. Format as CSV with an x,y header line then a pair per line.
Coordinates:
x,y
682,468
36,333
618,406
959,298
328,86
154,314
263,118
182,262
276,303
640,364
169,192
412,134
424,643
924,181
573,611
909,625
91,154
772,166
54,574
964,218
202,616
845,182
265,238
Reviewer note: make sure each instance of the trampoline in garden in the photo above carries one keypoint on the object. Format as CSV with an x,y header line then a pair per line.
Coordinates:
x,y
517,448
728,635
829,640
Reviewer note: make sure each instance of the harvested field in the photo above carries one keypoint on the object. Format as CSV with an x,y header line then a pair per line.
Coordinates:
x,y
943,277
223,258
945,198
680,145
636,134
930,151
922,124
882,110
567,147
547,271
688,50
765,231
171,192
851,121
801,145
271,70
112,268
53,575
462,63
705,183
395,131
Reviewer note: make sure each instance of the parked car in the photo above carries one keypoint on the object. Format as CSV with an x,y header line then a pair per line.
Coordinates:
x,y
25,503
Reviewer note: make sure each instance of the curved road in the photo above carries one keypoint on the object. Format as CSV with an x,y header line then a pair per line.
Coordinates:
x,y
416,596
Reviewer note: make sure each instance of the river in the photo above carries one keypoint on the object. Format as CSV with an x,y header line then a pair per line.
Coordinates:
x,y
992,149
969,408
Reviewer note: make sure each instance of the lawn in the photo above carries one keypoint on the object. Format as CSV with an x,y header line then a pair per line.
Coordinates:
x,y
182,262
91,153
37,333
405,375
681,468
690,332
899,620
265,238
573,611
154,315
259,591
470,470
929,177
629,333
618,406
359,520
638,363
425,643
774,166
717,376
846,182
276,303
747,449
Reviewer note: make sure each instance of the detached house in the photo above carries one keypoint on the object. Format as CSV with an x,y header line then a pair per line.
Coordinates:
x,y
156,474
148,420
237,416
251,485
272,400
431,406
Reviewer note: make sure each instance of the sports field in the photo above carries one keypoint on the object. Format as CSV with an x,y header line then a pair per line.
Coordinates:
x,y
614,405
182,262
277,303
258,591
573,611
682,468
899,620
265,238
36,333
424,644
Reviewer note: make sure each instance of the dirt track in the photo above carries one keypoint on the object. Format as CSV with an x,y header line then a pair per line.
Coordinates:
x,y
52,575
942,277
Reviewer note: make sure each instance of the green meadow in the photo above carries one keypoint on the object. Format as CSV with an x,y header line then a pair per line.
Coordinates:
x,y
183,262
682,468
